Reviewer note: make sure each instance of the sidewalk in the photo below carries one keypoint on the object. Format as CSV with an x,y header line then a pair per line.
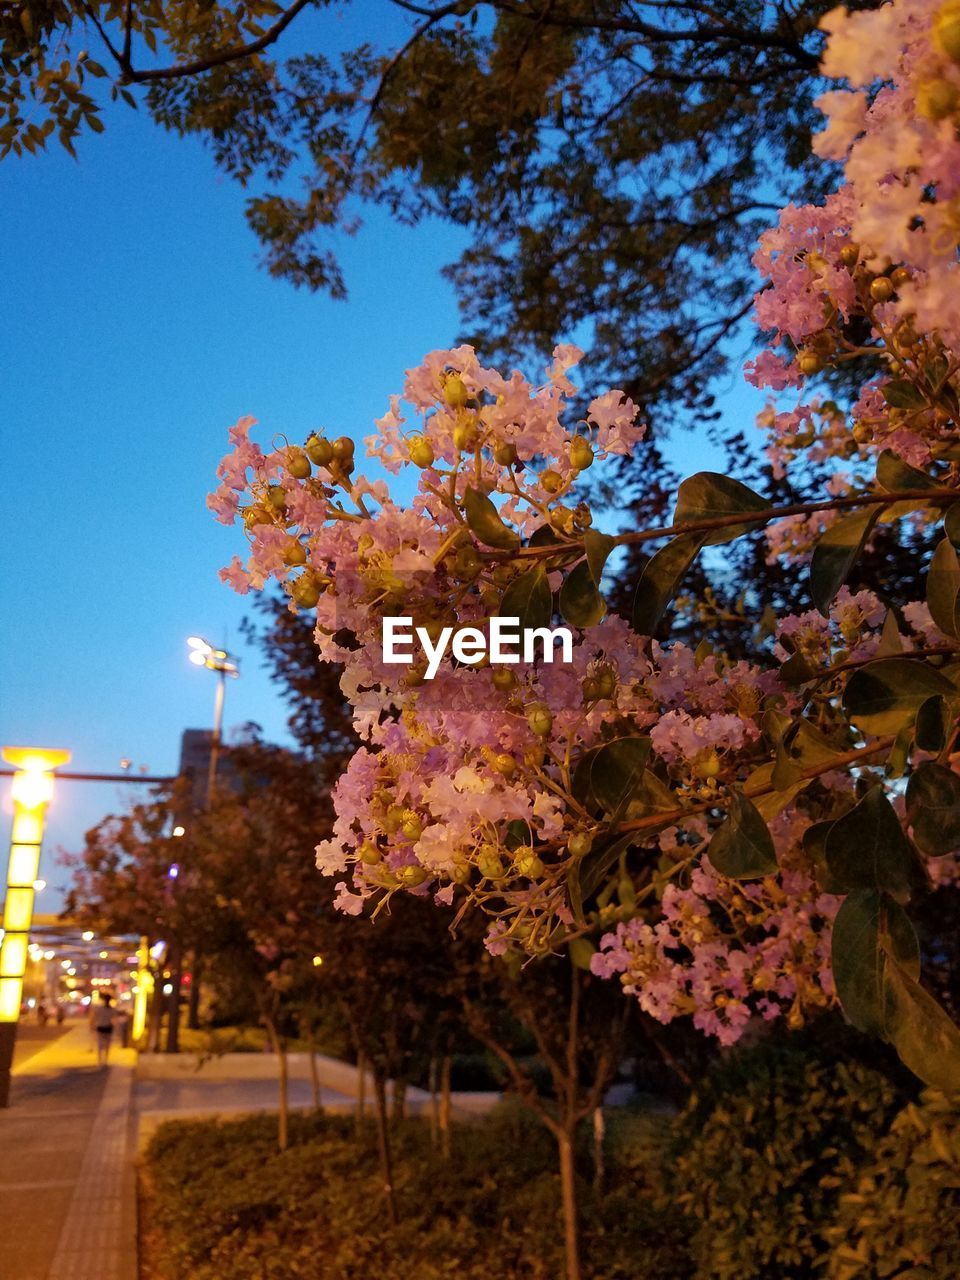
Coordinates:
x,y
67,1185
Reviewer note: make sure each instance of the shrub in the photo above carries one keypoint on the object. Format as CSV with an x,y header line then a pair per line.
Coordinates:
x,y
223,1202
759,1157
903,1218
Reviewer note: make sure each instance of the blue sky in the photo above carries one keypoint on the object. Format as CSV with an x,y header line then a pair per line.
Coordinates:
x,y
139,327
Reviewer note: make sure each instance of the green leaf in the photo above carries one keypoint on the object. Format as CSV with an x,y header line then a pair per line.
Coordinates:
x,y
660,578
867,849
598,547
582,951
709,495
742,846
615,771
798,670
885,696
901,394
586,875
933,722
815,847
529,599
581,603
933,808
943,588
807,745
951,524
652,797
927,1041
485,522
896,475
518,833
859,961
891,642
836,553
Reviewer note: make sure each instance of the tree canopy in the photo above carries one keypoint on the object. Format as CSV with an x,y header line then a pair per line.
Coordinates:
x,y
611,162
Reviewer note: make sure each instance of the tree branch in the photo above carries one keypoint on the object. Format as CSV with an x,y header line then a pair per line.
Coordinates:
x,y
181,70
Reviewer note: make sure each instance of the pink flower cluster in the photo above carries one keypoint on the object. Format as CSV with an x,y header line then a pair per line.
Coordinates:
x,y
881,249
775,958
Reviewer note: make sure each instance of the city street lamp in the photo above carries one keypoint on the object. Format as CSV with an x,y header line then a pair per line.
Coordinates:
x,y
203,654
32,791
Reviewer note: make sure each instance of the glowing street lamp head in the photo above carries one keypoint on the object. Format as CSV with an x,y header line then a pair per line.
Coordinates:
x,y
36,759
32,786
198,645
32,789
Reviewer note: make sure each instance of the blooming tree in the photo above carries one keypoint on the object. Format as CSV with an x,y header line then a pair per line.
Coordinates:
x,y
745,839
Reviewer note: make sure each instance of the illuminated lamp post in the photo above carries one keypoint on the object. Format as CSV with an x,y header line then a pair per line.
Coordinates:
x,y
203,654
32,791
142,990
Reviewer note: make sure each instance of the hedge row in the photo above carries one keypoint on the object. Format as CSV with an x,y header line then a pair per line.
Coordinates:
x,y
782,1166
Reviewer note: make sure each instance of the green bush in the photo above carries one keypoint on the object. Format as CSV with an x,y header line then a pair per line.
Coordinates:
x,y
903,1218
223,1204
759,1158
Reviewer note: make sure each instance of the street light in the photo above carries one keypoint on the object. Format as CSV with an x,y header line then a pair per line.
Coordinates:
x,y
203,654
32,791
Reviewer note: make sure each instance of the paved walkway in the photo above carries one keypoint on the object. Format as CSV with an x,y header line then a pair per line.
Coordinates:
x,y
69,1140
67,1185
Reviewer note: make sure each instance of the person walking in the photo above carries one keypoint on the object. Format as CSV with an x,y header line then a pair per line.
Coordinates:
x,y
102,1019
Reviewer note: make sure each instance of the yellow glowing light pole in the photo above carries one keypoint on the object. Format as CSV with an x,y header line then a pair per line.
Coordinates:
x,y
32,791
142,990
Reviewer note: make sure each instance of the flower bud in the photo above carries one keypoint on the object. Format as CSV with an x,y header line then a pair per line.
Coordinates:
x,y
850,255
455,390
881,289
526,863
297,463
505,453
277,498
809,363
421,451
256,515
540,720
319,451
580,844
505,765
937,99
946,30
489,862
581,454
295,553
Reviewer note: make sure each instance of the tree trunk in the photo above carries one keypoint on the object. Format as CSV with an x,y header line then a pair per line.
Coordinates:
x,y
156,1015
568,1187
445,1105
314,1074
383,1144
283,1111
361,1086
399,1100
599,1132
434,1102
193,1006
173,1018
